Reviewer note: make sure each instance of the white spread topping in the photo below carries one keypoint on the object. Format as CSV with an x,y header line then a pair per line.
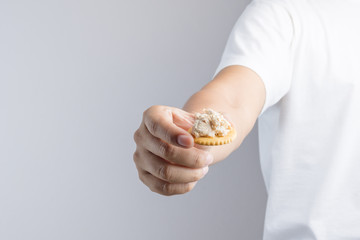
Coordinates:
x,y
210,124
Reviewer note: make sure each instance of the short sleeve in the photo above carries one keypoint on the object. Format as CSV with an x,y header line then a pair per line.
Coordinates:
x,y
261,40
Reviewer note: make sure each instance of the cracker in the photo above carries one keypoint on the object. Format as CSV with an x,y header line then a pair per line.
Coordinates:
x,y
214,141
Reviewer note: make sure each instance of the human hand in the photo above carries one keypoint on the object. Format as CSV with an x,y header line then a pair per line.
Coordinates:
x,y
166,158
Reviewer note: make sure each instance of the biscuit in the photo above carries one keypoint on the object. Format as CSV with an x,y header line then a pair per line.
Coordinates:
x,y
214,141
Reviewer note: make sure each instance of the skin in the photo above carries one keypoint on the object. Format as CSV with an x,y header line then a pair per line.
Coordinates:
x,y
167,160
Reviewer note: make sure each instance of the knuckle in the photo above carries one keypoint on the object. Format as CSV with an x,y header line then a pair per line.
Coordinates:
x,y
166,189
188,187
147,111
150,117
137,136
136,156
155,122
167,136
197,175
153,187
154,190
151,110
170,137
153,126
164,172
166,150
198,160
156,108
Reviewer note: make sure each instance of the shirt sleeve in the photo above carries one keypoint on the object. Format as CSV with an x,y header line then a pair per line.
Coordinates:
x,y
261,40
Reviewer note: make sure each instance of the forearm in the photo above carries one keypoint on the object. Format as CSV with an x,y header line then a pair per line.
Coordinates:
x,y
237,92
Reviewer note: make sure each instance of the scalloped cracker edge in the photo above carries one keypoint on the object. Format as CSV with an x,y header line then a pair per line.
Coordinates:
x,y
215,141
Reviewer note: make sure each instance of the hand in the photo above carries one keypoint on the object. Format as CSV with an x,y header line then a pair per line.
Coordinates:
x,y
165,156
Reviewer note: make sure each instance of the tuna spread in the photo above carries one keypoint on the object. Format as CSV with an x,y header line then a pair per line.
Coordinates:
x,y
210,124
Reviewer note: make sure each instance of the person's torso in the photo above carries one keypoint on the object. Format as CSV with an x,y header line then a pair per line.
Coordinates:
x,y
310,139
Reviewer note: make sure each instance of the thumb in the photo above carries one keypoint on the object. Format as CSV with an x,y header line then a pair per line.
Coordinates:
x,y
185,121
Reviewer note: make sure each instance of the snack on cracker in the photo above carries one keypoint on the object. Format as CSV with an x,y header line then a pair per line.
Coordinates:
x,y
211,128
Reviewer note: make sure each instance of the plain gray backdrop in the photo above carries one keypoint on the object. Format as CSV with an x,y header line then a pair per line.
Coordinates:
x,y
75,77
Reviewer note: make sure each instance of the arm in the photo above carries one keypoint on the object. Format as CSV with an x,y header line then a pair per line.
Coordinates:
x,y
239,93
166,158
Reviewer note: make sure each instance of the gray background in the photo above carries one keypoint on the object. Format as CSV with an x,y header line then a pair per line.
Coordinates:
x,y
75,77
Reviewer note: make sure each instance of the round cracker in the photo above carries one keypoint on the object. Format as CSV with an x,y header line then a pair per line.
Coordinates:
x,y
214,141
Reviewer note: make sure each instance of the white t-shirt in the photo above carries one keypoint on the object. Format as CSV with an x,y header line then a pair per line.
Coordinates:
x,y
308,56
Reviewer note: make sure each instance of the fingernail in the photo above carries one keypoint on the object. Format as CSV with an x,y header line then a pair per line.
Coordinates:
x,y
209,159
184,140
205,170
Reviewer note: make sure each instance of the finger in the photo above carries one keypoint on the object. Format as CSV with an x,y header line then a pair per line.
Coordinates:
x,y
193,157
164,188
166,171
183,119
162,122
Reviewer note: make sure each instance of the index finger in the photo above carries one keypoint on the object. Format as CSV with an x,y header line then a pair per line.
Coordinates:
x,y
169,124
